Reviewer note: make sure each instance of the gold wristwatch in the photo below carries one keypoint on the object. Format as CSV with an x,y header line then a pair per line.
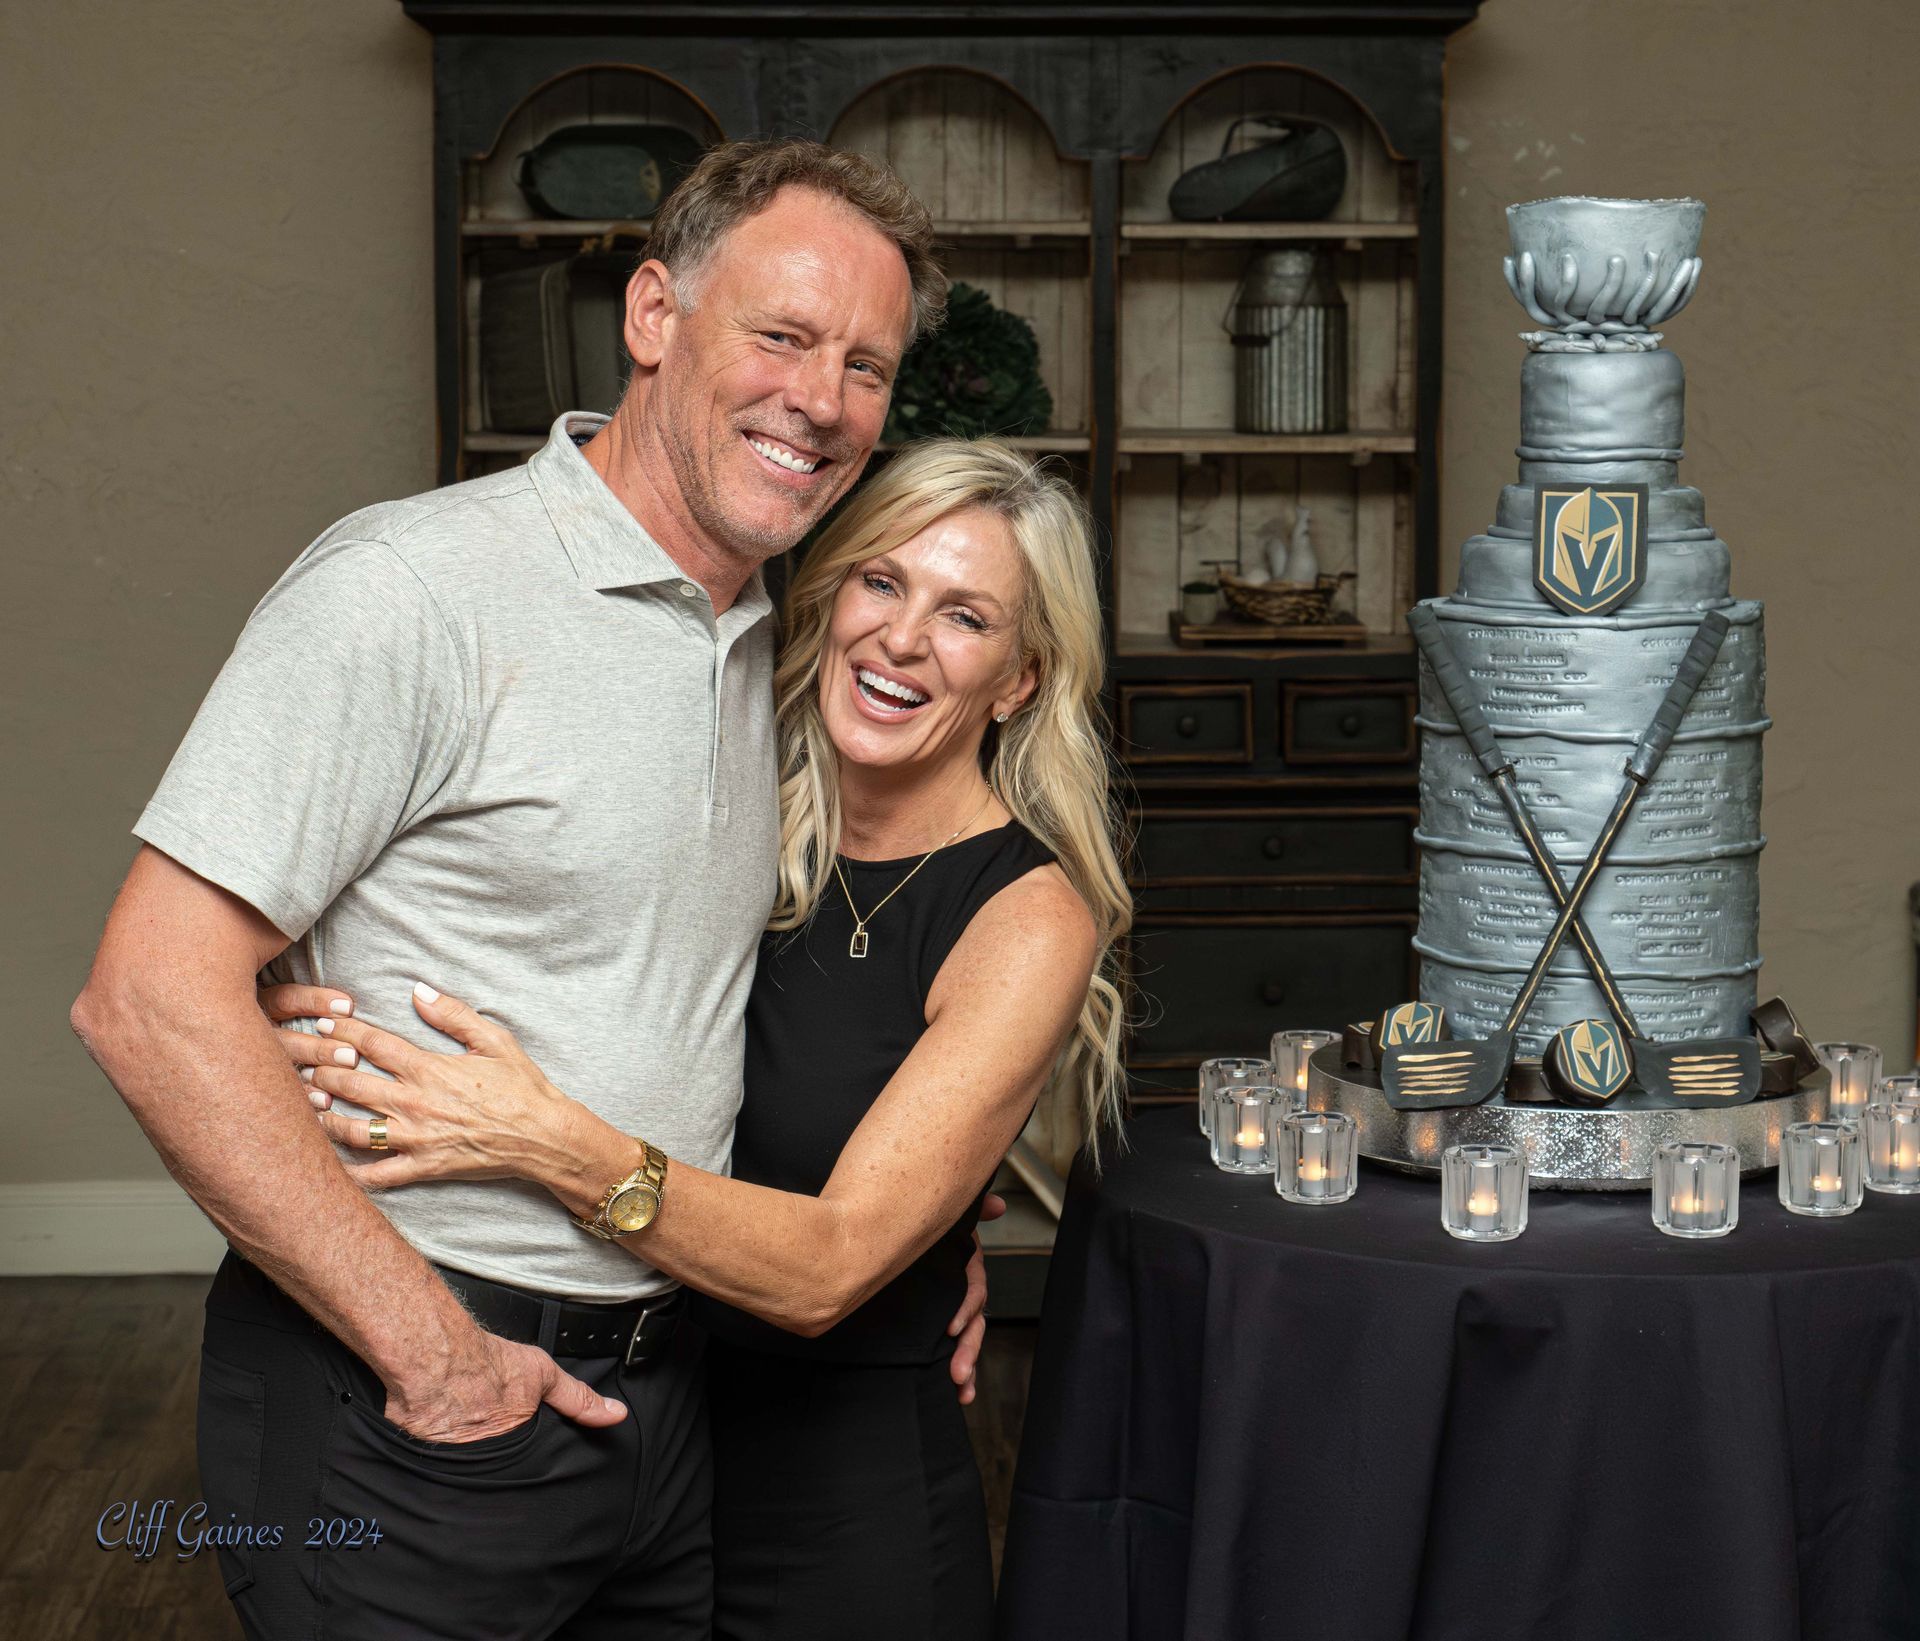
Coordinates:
x,y
631,1202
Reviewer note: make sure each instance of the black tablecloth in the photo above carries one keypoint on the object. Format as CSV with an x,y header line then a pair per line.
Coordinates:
x,y
1254,1419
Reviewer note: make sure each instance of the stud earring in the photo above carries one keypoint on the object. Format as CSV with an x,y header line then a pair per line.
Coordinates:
x,y
1001,717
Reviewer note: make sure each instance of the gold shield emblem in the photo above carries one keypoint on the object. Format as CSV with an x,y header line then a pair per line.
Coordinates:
x,y
1411,1023
1589,546
1590,1061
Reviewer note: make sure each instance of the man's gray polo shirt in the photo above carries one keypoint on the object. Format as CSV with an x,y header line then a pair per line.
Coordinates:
x,y
491,738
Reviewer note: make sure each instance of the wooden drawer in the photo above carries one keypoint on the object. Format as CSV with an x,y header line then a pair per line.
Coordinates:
x,y
1216,986
1186,723
1196,846
1346,723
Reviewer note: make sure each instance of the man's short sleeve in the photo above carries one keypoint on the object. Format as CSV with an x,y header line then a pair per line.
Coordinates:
x,y
336,724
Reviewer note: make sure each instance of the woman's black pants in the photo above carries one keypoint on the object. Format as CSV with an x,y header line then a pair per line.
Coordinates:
x,y
847,1505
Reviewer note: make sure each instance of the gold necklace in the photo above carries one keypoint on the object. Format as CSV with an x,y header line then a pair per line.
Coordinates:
x,y
857,946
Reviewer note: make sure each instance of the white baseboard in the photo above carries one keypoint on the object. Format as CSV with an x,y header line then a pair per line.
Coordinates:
x,y
101,1227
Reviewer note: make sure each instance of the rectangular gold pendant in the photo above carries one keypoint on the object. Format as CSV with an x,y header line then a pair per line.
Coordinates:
x,y
857,946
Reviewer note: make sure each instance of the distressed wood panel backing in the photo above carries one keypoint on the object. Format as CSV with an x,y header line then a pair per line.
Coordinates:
x,y
968,148
973,152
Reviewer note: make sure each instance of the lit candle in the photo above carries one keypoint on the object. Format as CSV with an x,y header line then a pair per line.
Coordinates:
x,y
1315,1157
1242,1143
1293,1053
1313,1173
1893,1147
1483,1205
1687,1205
1696,1188
1821,1165
1853,1069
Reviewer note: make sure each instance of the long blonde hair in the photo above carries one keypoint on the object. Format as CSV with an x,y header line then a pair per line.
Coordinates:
x,y
1049,764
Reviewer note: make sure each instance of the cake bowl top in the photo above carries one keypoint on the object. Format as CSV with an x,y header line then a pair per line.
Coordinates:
x,y
1583,263
1618,227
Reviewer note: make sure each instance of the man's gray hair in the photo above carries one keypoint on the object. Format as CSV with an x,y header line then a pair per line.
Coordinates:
x,y
736,180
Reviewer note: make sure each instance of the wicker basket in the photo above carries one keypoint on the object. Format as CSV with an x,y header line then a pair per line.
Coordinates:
x,y
1283,603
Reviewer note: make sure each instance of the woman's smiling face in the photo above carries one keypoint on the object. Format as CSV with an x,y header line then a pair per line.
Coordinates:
x,y
923,648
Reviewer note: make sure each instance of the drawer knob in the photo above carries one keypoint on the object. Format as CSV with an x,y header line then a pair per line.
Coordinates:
x,y
1274,847
1188,726
1350,725
1273,994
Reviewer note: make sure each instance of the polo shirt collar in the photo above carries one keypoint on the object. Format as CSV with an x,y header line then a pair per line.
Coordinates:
x,y
607,544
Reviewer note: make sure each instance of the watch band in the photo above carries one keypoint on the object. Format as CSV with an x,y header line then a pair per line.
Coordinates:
x,y
651,1173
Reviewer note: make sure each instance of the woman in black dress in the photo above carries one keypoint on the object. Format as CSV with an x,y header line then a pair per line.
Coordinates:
x,y
941,952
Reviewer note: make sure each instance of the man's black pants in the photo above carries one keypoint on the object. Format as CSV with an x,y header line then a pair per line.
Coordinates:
x,y
549,1530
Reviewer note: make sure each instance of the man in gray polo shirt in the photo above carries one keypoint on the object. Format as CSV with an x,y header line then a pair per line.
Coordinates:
x,y
516,733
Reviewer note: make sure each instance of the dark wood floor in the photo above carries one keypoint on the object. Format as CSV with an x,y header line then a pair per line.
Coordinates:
x,y
97,1385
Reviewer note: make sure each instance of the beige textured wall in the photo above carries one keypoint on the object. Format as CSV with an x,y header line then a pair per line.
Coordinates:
x,y
215,337
1794,121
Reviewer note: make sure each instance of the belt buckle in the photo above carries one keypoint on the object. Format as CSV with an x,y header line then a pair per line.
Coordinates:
x,y
640,1349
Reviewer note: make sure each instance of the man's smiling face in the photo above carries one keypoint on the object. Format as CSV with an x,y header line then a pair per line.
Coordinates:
x,y
774,380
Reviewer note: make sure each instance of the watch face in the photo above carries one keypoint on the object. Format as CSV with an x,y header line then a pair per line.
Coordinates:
x,y
633,1207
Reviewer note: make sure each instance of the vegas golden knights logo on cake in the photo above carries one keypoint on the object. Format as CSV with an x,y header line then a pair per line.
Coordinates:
x,y
1413,1023
1589,545
1590,1060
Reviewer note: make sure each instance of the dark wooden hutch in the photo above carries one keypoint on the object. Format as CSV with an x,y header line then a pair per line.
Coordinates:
x,y
1273,789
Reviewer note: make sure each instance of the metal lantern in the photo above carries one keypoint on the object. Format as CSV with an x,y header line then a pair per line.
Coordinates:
x,y
1288,322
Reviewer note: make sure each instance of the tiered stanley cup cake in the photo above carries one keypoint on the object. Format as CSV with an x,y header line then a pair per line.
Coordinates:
x,y
1571,615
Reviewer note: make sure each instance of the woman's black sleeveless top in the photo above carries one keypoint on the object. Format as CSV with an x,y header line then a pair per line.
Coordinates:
x,y
825,1033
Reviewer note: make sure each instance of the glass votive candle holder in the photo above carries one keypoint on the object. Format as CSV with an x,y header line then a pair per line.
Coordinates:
x,y
1696,1188
1892,1130
1902,1088
1820,1168
1229,1072
1242,1137
1316,1157
1854,1068
1483,1192
1291,1052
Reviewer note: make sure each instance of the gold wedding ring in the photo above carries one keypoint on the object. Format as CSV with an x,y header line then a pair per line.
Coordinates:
x,y
377,1134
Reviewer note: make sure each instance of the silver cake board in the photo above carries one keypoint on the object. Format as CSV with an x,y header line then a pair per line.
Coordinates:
x,y
1609,1148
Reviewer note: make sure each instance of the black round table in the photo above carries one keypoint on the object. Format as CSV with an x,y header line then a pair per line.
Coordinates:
x,y
1250,1419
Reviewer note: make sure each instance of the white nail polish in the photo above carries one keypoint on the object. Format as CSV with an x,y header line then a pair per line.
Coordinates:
x,y
319,1098
306,1074
324,1027
343,1056
424,992
341,1005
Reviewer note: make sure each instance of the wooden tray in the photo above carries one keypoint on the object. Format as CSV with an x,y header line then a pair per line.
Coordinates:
x,y
1227,631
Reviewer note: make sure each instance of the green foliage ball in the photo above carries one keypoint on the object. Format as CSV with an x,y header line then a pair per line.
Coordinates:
x,y
977,376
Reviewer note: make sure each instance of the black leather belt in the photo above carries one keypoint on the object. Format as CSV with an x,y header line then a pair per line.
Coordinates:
x,y
637,1332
